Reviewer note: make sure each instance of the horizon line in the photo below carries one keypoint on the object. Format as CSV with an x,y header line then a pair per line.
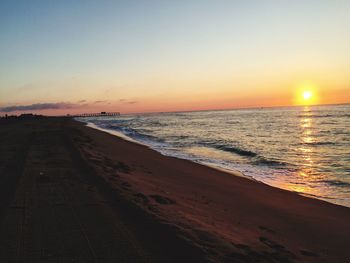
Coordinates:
x,y
184,111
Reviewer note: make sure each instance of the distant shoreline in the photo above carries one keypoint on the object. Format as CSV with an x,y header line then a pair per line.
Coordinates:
x,y
204,110
239,108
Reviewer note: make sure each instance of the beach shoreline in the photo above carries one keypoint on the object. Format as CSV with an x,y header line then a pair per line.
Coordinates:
x,y
189,211
125,137
217,166
204,203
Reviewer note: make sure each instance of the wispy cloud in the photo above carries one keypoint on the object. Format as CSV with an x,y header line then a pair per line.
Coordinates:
x,y
26,87
100,101
39,106
127,101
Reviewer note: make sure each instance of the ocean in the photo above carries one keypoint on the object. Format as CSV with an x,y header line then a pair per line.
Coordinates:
x,y
302,149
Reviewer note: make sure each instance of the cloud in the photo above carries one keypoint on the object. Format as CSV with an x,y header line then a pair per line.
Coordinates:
x,y
81,101
100,101
126,101
26,87
39,106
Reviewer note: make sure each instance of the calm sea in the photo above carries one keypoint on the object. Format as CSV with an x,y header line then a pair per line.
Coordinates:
x,y
303,149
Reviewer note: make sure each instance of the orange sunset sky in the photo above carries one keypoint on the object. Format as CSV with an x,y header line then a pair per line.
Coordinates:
x,y
61,57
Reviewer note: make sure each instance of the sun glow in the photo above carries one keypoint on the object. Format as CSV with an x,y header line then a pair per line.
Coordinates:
x,y
306,94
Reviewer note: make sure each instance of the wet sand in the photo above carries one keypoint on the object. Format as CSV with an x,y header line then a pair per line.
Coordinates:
x,y
70,193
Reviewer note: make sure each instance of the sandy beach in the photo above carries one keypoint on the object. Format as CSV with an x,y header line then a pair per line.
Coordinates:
x,y
71,193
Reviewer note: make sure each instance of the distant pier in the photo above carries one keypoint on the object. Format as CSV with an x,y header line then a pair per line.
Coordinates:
x,y
100,114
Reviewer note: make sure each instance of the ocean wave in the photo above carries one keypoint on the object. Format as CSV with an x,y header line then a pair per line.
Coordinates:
x,y
323,115
337,183
157,124
319,143
237,150
110,121
264,161
255,158
231,149
132,133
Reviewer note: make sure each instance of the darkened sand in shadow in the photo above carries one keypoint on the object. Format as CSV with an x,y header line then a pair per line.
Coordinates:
x,y
70,192
55,208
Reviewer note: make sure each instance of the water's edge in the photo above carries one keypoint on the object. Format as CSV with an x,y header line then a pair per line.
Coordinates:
x,y
229,171
126,138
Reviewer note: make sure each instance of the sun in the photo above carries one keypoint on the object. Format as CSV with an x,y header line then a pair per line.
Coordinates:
x,y
307,95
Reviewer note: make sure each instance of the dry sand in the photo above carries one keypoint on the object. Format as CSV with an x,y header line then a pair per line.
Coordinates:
x,y
71,193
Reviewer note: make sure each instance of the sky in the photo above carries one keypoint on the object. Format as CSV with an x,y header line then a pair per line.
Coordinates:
x,y
59,57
